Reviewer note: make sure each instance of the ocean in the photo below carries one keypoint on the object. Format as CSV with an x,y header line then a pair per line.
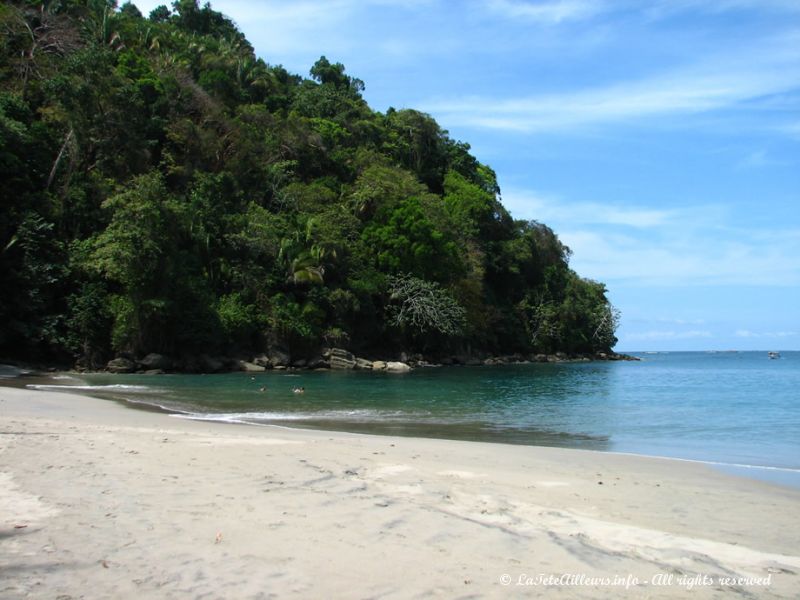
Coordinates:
x,y
737,410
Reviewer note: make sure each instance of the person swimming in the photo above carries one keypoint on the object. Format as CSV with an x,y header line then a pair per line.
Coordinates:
x,y
299,390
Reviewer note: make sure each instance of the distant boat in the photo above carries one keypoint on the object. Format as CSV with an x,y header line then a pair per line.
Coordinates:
x,y
774,355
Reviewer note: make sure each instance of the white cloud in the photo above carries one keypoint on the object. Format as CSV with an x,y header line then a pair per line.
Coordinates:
x,y
692,259
746,333
549,209
682,246
733,79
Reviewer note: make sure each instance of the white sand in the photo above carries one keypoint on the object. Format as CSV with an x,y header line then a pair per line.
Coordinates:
x,y
100,501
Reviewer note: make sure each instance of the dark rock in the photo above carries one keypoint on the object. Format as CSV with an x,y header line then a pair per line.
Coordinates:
x,y
318,363
210,364
189,364
279,358
300,363
466,359
155,361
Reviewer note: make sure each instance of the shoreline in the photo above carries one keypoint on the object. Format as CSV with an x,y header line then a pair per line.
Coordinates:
x,y
329,359
783,476
131,503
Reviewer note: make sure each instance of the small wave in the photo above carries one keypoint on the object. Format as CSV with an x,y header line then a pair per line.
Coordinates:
x,y
339,415
96,388
244,417
171,410
716,463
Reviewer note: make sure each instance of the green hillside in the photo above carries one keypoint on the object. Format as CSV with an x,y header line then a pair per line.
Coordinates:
x,y
164,190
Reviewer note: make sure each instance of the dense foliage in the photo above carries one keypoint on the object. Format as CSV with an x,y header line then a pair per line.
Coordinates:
x,y
164,190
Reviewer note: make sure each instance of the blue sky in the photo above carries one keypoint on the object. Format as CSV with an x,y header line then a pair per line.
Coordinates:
x,y
660,139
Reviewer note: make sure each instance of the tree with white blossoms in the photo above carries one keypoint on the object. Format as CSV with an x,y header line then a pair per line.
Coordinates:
x,y
423,306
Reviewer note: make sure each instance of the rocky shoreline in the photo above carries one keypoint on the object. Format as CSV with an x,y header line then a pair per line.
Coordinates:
x,y
333,358
327,359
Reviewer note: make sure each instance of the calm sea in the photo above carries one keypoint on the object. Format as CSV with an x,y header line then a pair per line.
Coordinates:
x,y
735,408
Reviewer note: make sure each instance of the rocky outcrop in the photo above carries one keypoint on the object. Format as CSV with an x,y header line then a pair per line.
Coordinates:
x,y
615,356
334,358
341,359
362,364
262,360
121,365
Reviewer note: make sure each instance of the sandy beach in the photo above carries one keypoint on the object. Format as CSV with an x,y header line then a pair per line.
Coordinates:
x,y
101,501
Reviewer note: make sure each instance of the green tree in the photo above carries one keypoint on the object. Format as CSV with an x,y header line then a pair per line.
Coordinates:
x,y
138,252
410,243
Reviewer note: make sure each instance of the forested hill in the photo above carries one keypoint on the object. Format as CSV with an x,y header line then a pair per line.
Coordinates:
x,y
164,190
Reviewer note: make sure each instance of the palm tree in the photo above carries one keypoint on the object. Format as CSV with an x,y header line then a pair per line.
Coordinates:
x,y
305,259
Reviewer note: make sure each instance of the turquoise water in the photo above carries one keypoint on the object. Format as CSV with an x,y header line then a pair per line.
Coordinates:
x,y
732,408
